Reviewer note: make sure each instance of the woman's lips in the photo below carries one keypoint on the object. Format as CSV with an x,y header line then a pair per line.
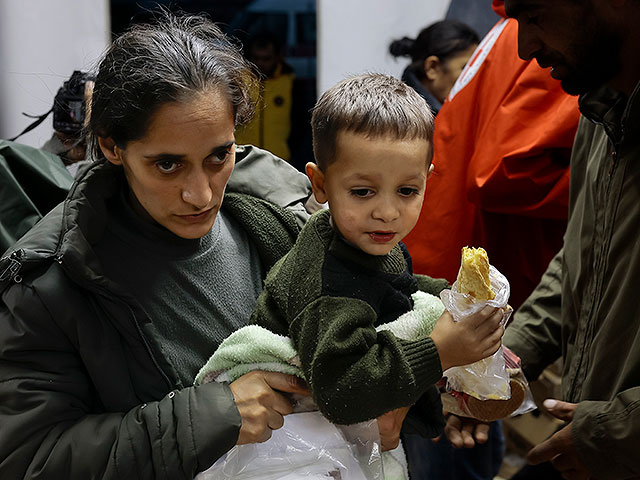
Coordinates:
x,y
198,217
382,237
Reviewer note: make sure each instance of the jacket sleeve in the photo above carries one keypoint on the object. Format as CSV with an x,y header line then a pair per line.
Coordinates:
x,y
55,426
354,372
535,333
607,435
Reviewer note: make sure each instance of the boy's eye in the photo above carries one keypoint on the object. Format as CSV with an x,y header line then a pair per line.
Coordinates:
x,y
361,192
408,191
167,166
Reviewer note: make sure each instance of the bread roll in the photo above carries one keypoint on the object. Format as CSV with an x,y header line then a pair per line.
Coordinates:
x,y
473,277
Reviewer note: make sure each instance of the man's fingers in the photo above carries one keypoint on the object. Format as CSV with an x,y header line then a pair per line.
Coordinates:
x,y
467,435
482,433
562,410
452,431
546,450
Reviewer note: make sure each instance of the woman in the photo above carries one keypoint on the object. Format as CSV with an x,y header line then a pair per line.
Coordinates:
x,y
112,303
438,55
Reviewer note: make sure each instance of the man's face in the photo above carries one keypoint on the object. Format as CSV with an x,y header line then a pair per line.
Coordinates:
x,y
266,58
571,37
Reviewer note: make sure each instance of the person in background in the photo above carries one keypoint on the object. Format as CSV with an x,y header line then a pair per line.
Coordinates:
x,y
502,144
438,55
501,157
585,309
113,301
271,125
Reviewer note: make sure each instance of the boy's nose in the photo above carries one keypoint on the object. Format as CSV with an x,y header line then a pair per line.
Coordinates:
x,y
386,210
528,43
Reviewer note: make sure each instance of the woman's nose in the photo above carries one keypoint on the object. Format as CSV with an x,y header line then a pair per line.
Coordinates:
x,y
197,191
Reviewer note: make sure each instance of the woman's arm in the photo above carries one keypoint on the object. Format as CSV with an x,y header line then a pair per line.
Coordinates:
x,y
55,425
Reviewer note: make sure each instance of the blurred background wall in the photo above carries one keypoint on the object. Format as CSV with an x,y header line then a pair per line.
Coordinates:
x,y
43,41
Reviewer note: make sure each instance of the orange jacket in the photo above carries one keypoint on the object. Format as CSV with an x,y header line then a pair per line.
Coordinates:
x,y
501,154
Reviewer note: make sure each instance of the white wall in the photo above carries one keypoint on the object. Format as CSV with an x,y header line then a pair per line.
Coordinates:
x,y
41,43
354,35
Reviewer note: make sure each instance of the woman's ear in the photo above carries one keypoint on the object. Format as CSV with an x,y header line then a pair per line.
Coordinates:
x,y
110,150
316,176
432,67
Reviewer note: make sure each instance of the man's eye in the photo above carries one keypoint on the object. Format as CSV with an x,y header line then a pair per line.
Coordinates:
x,y
532,19
408,191
167,166
361,192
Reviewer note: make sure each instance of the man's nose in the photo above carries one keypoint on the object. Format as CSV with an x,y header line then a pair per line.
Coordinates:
x,y
528,43
196,190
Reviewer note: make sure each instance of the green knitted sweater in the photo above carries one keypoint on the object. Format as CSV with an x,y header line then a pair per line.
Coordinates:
x,y
329,297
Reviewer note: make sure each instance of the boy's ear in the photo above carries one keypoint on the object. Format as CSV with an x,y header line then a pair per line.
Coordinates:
x,y
110,150
432,67
430,171
316,176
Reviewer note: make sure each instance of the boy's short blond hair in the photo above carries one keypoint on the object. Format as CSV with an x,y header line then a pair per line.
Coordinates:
x,y
375,105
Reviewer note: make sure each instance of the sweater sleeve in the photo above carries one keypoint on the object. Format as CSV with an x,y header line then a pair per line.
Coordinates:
x,y
54,424
354,372
535,333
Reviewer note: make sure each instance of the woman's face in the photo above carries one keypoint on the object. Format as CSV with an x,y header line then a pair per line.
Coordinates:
x,y
445,74
179,170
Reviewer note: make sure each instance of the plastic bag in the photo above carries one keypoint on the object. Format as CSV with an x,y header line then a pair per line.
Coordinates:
x,y
488,378
307,446
519,402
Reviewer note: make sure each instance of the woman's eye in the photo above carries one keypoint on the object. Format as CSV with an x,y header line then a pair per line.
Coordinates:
x,y
221,156
408,191
361,192
167,166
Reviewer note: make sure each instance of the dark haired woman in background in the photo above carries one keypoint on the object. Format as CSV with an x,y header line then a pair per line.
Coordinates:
x,y
438,55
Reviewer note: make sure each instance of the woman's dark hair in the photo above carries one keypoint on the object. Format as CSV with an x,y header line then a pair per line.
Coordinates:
x,y
442,39
171,59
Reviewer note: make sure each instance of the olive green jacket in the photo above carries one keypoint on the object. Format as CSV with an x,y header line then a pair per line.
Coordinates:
x,y
85,390
32,182
586,308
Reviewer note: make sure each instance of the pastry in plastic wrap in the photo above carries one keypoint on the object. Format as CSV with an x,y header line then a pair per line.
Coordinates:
x,y
473,276
494,387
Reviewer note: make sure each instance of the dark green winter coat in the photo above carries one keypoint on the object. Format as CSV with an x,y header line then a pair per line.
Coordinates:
x,y
85,391
32,182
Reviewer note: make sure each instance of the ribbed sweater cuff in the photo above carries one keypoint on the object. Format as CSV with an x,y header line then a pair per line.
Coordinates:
x,y
423,359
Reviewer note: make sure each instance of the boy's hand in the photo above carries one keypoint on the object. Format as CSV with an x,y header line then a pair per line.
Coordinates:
x,y
260,404
389,426
474,338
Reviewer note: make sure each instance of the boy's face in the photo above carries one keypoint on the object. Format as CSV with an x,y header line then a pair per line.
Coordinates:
x,y
374,188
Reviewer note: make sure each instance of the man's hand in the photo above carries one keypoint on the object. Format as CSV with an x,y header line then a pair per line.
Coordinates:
x,y
465,432
559,448
260,404
389,425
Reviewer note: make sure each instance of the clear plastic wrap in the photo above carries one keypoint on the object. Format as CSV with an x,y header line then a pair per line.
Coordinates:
x,y
307,446
519,402
488,378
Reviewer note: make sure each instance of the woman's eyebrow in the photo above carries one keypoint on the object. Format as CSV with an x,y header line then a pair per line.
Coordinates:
x,y
180,156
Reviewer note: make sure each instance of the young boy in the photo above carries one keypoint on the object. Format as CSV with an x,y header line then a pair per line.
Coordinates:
x,y
348,271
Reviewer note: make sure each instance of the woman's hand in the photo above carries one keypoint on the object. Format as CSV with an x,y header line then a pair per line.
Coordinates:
x,y
389,426
261,405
